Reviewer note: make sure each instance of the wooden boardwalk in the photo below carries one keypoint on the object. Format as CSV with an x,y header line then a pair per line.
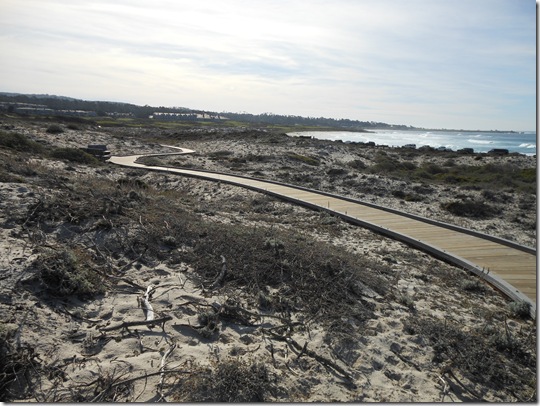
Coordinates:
x,y
512,267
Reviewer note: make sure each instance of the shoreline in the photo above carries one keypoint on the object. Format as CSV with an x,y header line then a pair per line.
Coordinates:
x,y
452,142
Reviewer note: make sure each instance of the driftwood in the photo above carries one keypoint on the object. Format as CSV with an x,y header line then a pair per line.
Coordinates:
x,y
127,324
145,303
162,371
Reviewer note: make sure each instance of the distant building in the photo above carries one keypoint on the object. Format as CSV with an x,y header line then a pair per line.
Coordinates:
x,y
116,114
409,146
75,113
186,116
34,111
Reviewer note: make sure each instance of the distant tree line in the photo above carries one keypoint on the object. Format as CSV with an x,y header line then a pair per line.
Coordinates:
x,y
269,118
104,107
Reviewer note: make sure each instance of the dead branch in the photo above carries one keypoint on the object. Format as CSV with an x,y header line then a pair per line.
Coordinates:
x,y
446,389
241,314
126,280
127,266
470,391
323,360
127,324
302,352
406,360
63,309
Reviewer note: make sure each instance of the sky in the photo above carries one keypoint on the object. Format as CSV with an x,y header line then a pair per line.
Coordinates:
x,y
459,64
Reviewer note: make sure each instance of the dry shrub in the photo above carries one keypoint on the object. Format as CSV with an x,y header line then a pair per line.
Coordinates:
x,y
68,273
18,365
94,201
310,275
17,369
231,380
473,285
493,357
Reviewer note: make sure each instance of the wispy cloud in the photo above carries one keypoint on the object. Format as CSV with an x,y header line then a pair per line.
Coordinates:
x,y
463,63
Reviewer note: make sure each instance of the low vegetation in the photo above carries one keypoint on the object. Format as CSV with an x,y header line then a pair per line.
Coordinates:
x,y
309,160
55,129
487,354
19,142
520,309
256,270
231,380
471,208
75,155
490,176
68,273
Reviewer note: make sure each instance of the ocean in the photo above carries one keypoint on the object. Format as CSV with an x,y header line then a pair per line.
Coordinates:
x,y
522,142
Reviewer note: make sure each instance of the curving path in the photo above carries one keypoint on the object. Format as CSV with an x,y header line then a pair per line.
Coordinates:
x,y
508,266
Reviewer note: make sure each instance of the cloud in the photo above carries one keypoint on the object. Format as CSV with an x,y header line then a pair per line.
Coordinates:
x,y
420,62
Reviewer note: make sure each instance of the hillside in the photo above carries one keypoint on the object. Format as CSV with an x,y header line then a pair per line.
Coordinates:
x,y
103,108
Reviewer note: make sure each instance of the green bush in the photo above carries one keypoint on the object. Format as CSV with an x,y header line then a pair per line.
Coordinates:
x,y
385,164
472,285
151,161
55,129
19,142
492,176
74,155
471,209
337,172
357,164
527,175
304,159
408,197
519,309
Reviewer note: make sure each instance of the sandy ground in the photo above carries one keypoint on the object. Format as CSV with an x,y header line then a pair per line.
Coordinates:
x,y
377,362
